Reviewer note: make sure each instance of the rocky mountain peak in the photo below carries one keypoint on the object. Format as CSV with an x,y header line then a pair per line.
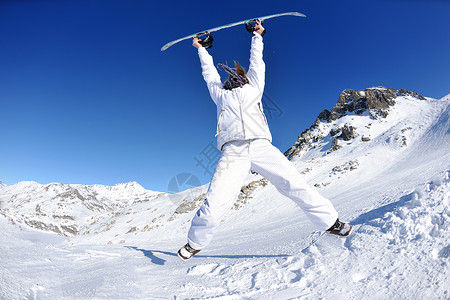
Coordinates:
x,y
376,101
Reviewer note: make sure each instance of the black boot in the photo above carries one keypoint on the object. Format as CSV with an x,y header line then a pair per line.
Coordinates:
x,y
340,229
187,252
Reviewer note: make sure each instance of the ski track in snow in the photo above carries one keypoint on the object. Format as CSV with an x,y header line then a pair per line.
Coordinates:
x,y
398,200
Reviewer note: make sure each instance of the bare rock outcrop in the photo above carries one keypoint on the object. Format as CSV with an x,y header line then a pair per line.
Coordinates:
x,y
375,101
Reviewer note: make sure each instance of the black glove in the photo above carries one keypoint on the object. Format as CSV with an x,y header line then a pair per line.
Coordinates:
x,y
207,41
250,28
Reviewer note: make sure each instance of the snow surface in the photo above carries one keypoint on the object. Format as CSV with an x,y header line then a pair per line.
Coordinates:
x,y
394,189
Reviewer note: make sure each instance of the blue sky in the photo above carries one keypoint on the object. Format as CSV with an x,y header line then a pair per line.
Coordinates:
x,y
87,97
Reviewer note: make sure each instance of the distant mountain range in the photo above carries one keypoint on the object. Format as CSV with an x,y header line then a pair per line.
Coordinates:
x,y
65,208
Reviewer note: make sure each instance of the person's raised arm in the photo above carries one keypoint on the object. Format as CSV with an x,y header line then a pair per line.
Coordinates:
x,y
257,68
209,71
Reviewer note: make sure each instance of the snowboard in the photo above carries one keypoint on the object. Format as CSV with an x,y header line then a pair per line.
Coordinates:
x,y
260,19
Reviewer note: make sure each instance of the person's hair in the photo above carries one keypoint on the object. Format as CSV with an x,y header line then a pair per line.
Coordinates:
x,y
240,70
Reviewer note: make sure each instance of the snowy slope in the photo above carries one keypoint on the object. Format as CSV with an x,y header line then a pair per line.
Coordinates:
x,y
393,186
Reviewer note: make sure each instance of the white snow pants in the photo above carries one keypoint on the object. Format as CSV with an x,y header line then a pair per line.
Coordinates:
x,y
259,155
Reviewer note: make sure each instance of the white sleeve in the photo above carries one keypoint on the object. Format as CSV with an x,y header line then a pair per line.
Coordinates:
x,y
257,69
210,74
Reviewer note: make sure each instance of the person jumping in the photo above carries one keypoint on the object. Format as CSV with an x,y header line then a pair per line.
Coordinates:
x,y
244,138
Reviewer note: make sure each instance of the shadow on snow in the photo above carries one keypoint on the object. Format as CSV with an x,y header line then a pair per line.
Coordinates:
x,y
160,261
382,210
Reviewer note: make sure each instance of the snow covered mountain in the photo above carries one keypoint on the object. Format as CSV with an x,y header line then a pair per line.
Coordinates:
x,y
374,102
380,155
68,209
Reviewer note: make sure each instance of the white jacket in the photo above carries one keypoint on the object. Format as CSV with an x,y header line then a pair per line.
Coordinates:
x,y
240,113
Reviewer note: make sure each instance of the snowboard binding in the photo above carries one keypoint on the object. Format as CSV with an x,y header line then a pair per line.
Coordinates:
x,y
251,28
207,41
